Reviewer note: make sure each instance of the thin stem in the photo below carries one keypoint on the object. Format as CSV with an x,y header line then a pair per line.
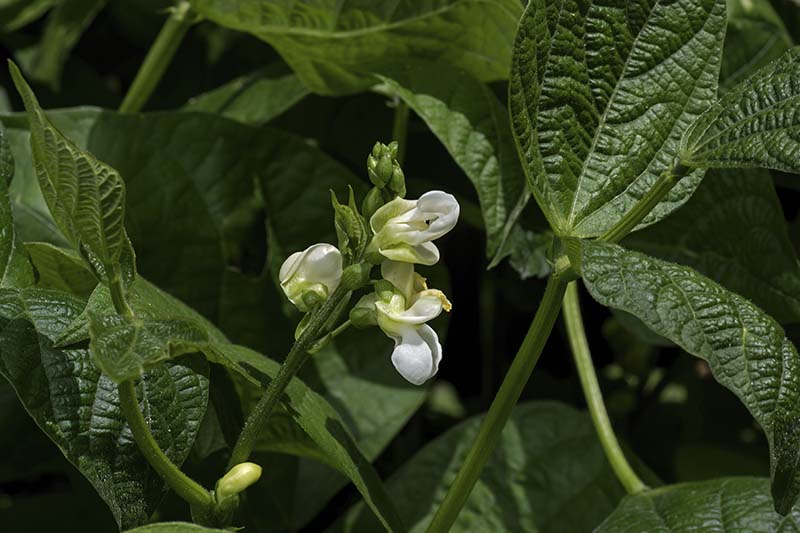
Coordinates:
x,y
118,296
665,182
158,57
400,129
501,407
339,330
183,485
594,397
294,361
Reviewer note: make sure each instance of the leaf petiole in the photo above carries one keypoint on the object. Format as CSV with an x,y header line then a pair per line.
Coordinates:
x,y
594,397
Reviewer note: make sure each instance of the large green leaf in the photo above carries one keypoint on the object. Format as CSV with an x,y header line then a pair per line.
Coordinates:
x,y
254,99
335,46
755,36
755,124
78,408
727,230
473,125
58,268
601,93
14,267
548,473
724,505
748,351
85,196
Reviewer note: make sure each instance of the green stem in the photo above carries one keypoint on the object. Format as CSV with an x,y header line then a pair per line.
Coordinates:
x,y
294,361
400,129
501,407
118,297
594,397
665,182
183,485
158,57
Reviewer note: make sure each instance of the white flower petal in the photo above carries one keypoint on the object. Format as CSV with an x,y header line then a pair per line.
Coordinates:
x,y
423,254
441,209
417,353
323,264
290,266
401,275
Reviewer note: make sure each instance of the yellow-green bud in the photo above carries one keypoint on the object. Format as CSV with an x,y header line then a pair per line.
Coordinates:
x,y
356,276
237,480
397,183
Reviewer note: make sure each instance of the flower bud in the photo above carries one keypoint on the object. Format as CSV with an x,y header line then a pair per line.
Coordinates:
x,y
372,202
397,183
356,276
351,228
309,277
363,314
380,163
237,480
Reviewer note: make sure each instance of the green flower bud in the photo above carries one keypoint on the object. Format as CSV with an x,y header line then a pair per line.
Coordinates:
x,y
363,317
372,202
351,228
380,163
397,183
356,276
237,480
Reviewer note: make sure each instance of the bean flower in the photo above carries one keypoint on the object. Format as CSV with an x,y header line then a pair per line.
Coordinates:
x,y
402,313
309,277
404,229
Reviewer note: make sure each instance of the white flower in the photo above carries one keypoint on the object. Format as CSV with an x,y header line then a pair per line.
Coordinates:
x,y
309,277
402,316
404,229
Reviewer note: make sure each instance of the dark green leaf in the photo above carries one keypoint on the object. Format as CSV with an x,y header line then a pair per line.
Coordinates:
x,y
335,48
600,95
65,25
716,506
755,36
547,473
15,14
755,124
748,351
78,408
15,270
58,268
175,527
85,196
726,231
254,99
473,126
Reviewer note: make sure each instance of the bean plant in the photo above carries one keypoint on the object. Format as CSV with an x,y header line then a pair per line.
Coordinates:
x,y
242,298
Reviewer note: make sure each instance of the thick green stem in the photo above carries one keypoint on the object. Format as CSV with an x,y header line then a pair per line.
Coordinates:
x,y
183,485
400,129
594,397
665,182
294,361
158,57
501,407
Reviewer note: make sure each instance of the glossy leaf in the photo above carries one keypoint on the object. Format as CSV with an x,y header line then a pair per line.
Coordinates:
x,y
748,351
58,268
726,231
755,36
473,126
78,408
600,95
85,196
715,506
335,47
254,99
547,473
755,124
15,271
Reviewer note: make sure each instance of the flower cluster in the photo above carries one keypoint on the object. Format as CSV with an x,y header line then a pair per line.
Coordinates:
x,y
401,235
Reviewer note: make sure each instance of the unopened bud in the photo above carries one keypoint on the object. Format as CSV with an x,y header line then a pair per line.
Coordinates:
x,y
237,480
372,202
356,276
397,183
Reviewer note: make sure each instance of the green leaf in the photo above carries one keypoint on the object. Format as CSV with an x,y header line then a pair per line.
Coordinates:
x,y
548,473
64,27
78,408
472,124
752,125
61,269
725,231
15,270
716,506
600,95
528,251
124,348
175,527
255,99
748,351
15,14
85,196
755,36
335,47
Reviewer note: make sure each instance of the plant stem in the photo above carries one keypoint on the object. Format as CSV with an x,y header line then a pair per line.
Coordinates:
x,y
665,182
183,485
594,397
291,365
118,296
158,57
400,129
501,407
